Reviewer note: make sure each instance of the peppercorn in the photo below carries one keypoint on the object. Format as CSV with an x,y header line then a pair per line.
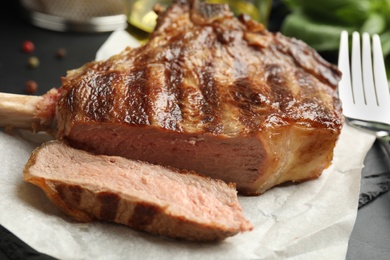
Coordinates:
x,y
28,47
33,62
61,53
31,87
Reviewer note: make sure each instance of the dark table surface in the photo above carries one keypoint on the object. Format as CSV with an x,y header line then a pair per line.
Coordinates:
x,y
370,238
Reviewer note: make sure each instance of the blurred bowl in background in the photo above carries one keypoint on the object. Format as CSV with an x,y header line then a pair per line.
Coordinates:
x,y
76,15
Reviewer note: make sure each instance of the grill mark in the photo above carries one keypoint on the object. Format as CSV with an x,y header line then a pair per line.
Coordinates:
x,y
189,96
109,205
136,96
143,215
210,106
250,102
312,104
172,60
70,191
275,77
70,101
190,100
308,86
76,192
101,95
175,78
245,93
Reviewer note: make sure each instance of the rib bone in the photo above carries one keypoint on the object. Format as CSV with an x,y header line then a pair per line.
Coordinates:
x,y
19,111
35,113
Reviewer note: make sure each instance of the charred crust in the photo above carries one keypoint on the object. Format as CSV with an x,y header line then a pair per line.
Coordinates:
x,y
101,99
248,100
109,205
224,36
251,24
174,81
70,193
137,107
76,192
68,199
264,81
207,11
211,114
71,101
143,215
308,59
275,77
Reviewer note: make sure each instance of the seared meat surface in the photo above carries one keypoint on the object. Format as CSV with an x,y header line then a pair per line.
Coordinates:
x,y
147,197
209,92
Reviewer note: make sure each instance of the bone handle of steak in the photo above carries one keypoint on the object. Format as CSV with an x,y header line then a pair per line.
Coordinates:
x,y
18,110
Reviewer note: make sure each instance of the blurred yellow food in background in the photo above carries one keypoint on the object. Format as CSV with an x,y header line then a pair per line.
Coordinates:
x,y
142,18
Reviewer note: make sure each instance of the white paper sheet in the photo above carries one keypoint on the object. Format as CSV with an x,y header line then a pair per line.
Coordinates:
x,y
116,42
311,220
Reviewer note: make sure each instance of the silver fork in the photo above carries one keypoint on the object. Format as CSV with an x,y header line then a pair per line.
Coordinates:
x,y
364,89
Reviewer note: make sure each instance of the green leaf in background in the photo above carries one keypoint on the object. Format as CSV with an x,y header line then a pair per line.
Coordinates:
x,y
353,12
319,6
375,24
319,23
348,12
320,36
385,40
382,7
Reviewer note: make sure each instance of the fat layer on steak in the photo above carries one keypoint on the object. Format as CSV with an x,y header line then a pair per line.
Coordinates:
x,y
147,197
209,92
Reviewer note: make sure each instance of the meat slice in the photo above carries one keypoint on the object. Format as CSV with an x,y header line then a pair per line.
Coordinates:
x,y
147,197
208,92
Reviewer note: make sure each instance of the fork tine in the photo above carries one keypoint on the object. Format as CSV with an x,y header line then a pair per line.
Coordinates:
x,y
356,63
368,80
380,73
345,87
372,115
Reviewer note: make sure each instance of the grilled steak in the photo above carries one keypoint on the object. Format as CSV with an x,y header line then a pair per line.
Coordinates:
x,y
209,92
136,194
212,93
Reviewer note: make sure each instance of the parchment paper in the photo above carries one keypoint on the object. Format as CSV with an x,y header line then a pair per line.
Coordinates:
x,y
311,220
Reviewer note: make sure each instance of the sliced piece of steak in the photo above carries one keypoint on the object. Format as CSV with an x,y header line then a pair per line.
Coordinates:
x,y
147,197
